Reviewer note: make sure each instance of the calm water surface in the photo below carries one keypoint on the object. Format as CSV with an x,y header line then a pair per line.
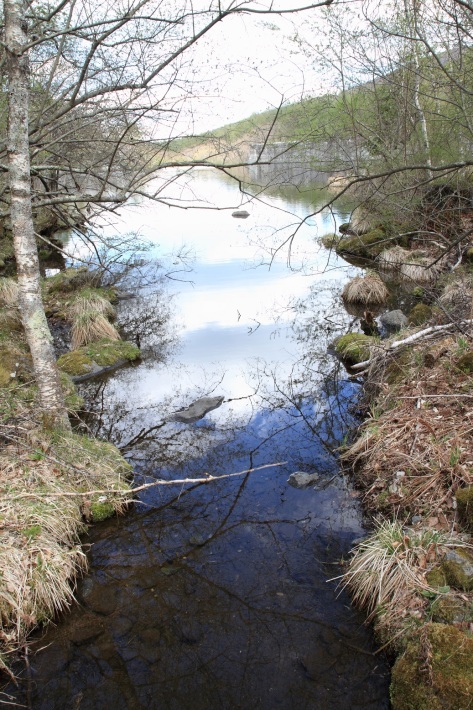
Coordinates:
x,y
216,596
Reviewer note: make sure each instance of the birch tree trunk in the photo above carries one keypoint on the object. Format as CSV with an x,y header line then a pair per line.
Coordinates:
x,y
31,306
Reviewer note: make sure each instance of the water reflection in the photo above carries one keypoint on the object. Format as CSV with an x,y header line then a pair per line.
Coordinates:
x,y
215,595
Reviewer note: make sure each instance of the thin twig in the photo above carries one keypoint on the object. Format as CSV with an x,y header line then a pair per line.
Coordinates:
x,y
177,482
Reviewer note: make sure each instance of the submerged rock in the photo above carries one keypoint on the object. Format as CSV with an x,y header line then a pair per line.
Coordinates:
x,y
197,410
300,479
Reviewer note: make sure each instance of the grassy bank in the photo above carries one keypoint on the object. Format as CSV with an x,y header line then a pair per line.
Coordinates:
x,y
53,483
412,461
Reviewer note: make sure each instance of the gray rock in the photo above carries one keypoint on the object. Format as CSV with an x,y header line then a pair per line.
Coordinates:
x,y
241,214
196,410
393,320
300,479
458,567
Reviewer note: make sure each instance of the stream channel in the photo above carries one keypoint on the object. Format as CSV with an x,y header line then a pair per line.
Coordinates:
x,y
215,596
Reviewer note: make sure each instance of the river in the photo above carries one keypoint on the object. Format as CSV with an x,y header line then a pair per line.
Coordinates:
x,y
216,596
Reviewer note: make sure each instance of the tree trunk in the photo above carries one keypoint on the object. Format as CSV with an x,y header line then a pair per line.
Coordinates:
x,y
30,302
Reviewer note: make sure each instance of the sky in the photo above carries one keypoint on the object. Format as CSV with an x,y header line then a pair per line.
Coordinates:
x,y
248,64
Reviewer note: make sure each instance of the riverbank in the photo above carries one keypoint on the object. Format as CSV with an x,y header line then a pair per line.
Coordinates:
x,y
412,460
53,483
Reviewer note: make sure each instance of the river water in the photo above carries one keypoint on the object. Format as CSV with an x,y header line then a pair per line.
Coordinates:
x,y
215,596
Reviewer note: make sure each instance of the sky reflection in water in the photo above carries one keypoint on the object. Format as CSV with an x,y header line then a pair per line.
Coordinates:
x,y
215,596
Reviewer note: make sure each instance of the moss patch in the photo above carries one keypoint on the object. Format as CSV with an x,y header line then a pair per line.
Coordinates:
x,y
450,610
354,347
458,568
435,672
420,314
75,363
464,497
436,577
101,511
108,352
465,363
368,245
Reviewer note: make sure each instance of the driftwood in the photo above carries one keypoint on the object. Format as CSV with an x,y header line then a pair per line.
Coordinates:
x,y
420,335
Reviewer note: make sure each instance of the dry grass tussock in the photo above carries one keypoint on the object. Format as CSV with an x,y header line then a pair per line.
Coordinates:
x,y
416,449
410,266
90,327
41,514
8,292
457,297
365,290
386,573
89,315
393,258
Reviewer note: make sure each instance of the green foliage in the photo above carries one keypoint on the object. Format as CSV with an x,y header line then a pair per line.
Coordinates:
x,y
32,532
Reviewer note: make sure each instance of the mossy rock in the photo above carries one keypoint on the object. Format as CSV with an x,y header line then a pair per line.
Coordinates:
x,y
448,609
108,352
367,245
469,255
464,497
101,510
436,577
354,347
76,363
420,314
449,653
458,568
465,363
330,241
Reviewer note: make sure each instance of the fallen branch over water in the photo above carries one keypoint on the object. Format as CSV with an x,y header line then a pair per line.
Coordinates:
x,y
208,478
421,334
